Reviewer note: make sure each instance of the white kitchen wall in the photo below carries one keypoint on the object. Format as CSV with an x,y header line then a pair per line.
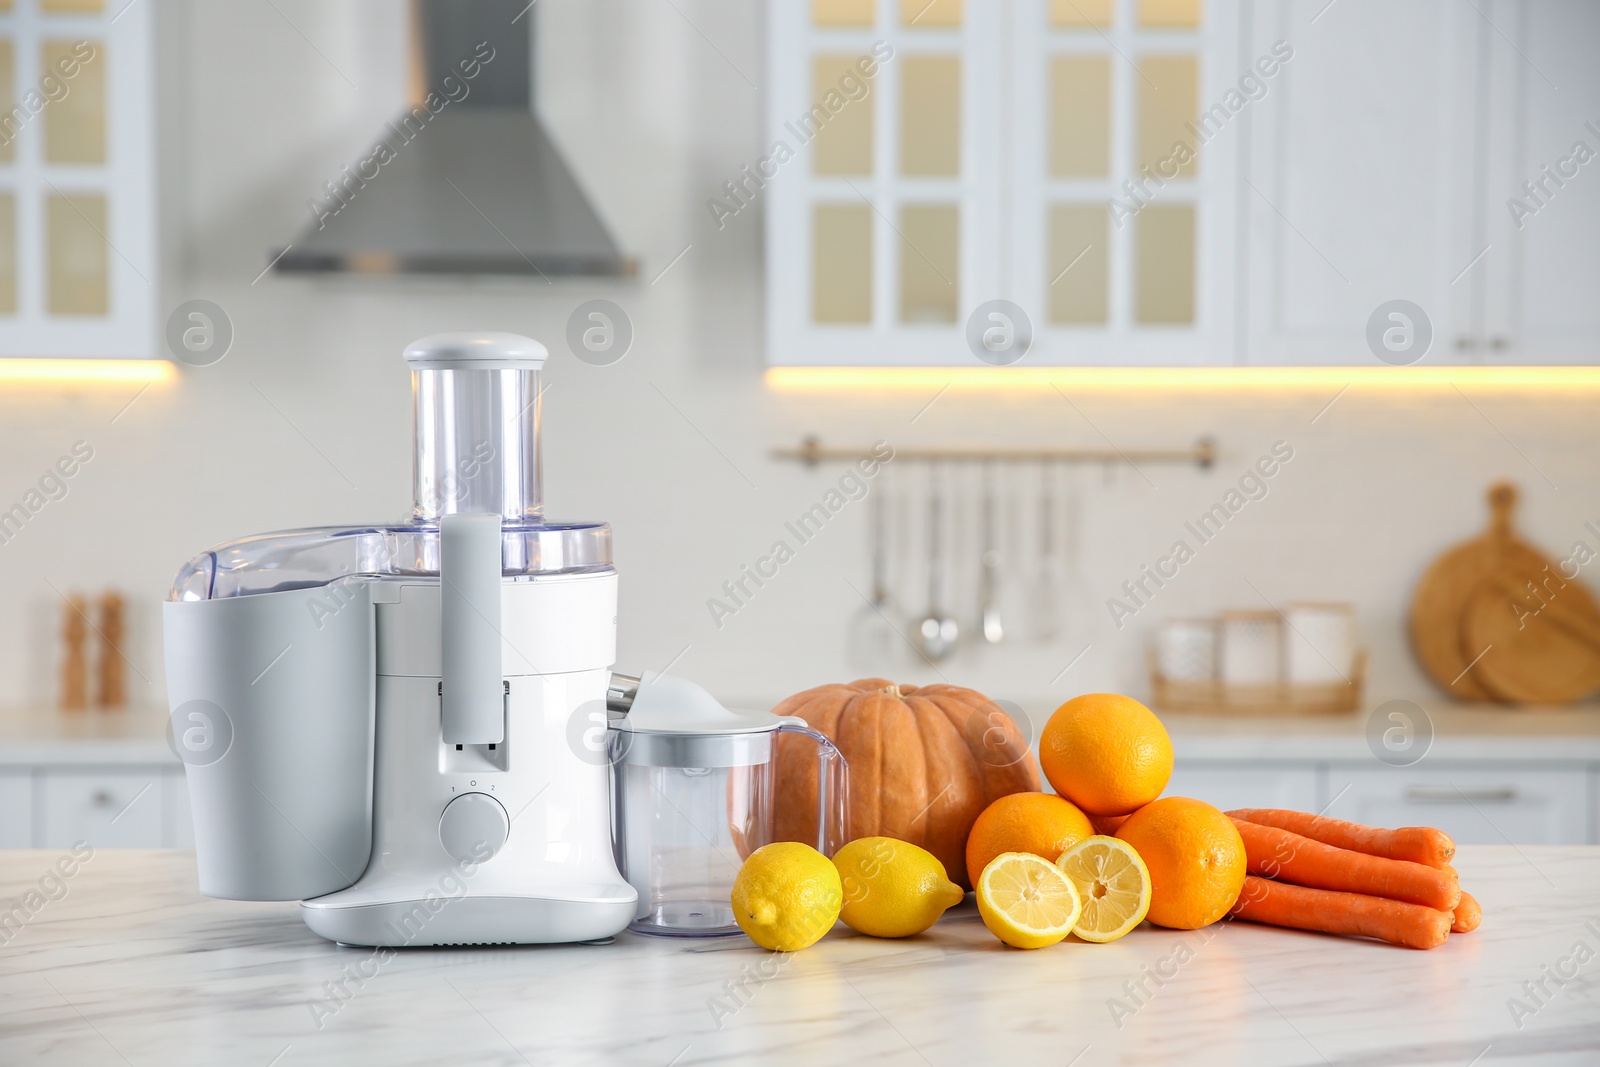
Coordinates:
x,y
307,420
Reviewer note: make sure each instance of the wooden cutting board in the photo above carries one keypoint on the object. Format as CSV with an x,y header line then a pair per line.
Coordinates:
x,y
1441,599
1542,633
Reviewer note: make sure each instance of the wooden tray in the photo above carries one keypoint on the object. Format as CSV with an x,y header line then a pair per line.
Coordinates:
x,y
1282,699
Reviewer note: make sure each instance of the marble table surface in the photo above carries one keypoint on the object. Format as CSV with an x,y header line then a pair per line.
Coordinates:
x,y
125,963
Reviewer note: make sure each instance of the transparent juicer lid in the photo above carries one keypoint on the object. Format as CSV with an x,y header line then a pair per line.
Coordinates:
x,y
475,422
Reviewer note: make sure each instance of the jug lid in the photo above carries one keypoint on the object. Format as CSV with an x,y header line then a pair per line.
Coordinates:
x,y
668,705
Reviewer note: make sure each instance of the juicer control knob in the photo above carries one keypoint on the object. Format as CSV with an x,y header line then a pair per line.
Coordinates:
x,y
473,827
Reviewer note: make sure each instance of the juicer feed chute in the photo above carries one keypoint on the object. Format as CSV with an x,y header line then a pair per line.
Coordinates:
x,y
475,404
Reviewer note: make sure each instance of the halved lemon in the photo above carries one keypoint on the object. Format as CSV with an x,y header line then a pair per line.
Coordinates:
x,y
1027,901
1113,883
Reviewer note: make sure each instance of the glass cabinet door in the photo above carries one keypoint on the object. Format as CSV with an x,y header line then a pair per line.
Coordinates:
x,y
882,228
949,154
77,248
1124,197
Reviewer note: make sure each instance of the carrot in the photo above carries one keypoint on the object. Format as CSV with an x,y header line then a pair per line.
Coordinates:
x,y
1419,844
1288,857
1468,915
1328,912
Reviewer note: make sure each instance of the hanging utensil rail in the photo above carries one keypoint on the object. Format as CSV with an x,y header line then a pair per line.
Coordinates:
x,y
1203,453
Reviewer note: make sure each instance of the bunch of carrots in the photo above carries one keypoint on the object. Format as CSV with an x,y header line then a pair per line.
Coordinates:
x,y
1308,872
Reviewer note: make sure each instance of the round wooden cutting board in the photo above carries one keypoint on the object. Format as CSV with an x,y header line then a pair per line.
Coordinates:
x,y
1440,602
1542,633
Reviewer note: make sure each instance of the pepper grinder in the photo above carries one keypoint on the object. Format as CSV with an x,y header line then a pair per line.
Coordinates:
x,y
112,689
75,661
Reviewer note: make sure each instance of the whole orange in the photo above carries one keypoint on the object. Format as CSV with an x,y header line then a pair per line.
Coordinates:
x,y
1107,824
1196,860
1039,823
1106,753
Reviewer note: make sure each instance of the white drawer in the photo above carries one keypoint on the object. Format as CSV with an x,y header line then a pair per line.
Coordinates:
x,y
16,810
1475,803
108,809
1246,785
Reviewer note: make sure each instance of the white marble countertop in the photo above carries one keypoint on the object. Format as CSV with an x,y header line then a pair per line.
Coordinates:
x,y
40,736
131,965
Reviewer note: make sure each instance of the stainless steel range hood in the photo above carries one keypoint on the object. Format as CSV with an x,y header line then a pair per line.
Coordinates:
x,y
466,180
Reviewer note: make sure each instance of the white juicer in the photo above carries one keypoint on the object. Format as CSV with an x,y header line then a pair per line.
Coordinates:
x,y
405,726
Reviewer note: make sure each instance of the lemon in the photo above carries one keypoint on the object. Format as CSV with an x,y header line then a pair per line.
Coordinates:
x,y
892,888
786,896
1113,883
1027,901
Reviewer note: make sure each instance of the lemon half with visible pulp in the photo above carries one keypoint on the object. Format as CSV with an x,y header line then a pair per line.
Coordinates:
x,y
1027,901
1112,882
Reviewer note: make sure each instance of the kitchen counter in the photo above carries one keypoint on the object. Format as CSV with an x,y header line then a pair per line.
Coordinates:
x,y
132,965
33,736
1460,731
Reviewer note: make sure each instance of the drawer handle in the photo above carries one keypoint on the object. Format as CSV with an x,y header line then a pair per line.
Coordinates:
x,y
102,799
1431,794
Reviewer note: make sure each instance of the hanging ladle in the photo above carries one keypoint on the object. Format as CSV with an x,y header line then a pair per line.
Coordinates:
x,y
937,633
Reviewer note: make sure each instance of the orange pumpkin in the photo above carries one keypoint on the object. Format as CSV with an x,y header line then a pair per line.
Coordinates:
x,y
924,763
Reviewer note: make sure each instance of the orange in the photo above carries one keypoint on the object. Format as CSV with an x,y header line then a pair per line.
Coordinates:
x,y
1108,754
1107,824
1196,860
1039,823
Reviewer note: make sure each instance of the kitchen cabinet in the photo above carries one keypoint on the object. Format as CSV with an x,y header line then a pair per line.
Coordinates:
x,y
1483,802
1248,784
105,777
16,810
1357,185
78,252
1390,162
1541,204
110,806
1477,804
958,183
1120,197
1344,156
119,809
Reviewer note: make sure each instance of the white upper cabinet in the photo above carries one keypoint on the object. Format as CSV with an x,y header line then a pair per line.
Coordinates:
x,y
77,226
1358,184
1120,120
1396,165
1181,182
1541,156
884,162
940,156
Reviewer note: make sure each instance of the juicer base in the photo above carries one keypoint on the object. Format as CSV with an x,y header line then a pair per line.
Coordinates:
x,y
437,920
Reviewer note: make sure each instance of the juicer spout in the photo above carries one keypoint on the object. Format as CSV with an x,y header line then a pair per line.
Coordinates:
x,y
620,692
